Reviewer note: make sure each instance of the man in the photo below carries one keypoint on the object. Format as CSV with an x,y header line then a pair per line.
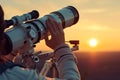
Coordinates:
x,y
66,63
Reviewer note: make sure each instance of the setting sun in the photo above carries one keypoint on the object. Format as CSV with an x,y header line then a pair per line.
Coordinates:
x,y
92,42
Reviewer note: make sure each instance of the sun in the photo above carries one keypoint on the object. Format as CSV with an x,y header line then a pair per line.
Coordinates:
x,y
93,42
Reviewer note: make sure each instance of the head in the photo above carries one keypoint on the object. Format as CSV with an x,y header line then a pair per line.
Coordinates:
x,y
2,41
1,16
2,37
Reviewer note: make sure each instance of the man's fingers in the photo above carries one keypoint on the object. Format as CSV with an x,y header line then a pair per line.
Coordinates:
x,y
54,29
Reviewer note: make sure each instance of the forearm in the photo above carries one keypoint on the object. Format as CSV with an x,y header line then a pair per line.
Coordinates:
x,y
67,67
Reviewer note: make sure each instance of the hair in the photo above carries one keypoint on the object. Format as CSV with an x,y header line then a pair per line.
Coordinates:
x,y
1,20
2,58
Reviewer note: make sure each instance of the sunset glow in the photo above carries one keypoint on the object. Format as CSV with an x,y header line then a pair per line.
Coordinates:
x,y
99,19
93,42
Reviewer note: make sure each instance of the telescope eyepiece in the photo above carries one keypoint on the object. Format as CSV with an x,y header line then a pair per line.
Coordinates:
x,y
34,14
19,19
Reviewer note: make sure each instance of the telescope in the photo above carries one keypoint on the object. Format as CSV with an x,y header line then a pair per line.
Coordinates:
x,y
28,29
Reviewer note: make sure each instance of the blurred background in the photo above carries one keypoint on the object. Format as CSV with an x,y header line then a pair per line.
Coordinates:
x,y
97,30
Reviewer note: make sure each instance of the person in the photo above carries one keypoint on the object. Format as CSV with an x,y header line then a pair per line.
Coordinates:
x,y
67,67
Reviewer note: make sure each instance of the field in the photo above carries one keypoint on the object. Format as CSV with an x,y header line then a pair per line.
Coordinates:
x,y
95,65
99,66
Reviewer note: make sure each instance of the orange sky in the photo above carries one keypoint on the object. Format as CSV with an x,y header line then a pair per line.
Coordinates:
x,y
98,19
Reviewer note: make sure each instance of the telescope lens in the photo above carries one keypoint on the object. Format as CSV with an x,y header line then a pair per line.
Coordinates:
x,y
75,12
68,16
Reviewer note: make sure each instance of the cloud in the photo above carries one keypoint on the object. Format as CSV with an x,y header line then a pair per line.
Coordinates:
x,y
14,7
98,27
108,5
93,10
94,26
11,11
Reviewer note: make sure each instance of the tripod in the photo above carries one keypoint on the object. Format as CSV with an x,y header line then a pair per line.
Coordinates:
x,y
51,63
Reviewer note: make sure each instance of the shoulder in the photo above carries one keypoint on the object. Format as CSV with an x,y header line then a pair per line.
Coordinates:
x,y
21,73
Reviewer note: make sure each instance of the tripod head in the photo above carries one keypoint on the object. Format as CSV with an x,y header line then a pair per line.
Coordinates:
x,y
75,44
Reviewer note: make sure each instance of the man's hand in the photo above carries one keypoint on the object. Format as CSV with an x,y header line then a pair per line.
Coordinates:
x,y
56,31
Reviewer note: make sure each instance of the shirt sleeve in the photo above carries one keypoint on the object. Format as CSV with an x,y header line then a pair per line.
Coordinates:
x,y
67,67
18,73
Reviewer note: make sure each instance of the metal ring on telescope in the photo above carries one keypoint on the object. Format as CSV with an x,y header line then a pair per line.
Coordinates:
x,y
61,17
40,29
75,12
